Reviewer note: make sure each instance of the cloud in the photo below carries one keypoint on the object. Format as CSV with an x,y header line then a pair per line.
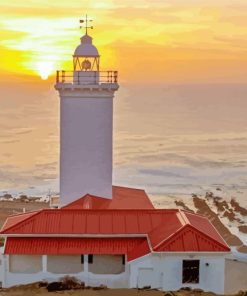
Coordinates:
x,y
16,177
161,173
9,141
46,177
47,166
23,131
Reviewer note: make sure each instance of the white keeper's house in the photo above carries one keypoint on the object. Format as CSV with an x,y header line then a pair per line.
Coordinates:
x,y
100,233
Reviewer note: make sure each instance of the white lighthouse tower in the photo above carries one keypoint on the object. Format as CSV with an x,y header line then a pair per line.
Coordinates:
x,y
86,110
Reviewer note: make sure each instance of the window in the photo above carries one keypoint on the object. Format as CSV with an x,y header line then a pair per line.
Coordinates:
x,y
82,259
106,264
191,271
65,264
123,259
28,264
90,258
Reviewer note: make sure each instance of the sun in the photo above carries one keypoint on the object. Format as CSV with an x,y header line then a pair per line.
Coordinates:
x,y
45,68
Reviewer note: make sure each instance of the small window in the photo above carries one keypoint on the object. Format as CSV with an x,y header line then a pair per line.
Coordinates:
x,y
123,259
191,271
90,258
82,259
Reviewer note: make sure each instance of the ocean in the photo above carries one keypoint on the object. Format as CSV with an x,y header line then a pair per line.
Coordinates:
x,y
171,140
181,139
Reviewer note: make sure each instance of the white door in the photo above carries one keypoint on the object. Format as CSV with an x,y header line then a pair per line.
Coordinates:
x,y
145,277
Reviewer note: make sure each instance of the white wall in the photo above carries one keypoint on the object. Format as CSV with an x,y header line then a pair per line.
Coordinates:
x,y
85,144
235,276
167,272
1,266
161,271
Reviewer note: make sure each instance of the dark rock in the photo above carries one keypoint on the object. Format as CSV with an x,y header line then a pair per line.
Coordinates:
x,y
43,284
55,286
101,287
181,204
169,293
242,293
238,208
185,289
209,195
72,283
243,228
203,209
199,291
146,288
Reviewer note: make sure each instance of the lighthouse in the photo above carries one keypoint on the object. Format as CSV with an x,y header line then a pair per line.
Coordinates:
x,y
86,123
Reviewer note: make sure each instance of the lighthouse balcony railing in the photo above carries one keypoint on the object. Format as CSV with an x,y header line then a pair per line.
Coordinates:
x,y
87,77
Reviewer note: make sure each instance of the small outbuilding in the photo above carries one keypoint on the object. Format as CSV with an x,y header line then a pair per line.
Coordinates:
x,y
104,242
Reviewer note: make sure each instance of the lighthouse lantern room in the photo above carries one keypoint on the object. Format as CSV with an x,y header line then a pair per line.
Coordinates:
x,y
86,111
86,59
86,62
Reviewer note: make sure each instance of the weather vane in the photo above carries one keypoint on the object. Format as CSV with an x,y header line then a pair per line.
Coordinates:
x,y
87,22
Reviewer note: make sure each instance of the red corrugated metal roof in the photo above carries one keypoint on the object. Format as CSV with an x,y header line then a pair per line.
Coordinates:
x,y
192,240
122,198
67,221
202,224
164,228
63,246
14,219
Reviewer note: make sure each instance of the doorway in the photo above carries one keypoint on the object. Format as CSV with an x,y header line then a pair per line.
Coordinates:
x,y
145,277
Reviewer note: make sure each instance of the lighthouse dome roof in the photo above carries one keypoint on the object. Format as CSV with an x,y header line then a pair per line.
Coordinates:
x,y
86,48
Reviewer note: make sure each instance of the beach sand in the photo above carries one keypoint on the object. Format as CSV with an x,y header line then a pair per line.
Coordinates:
x,y
34,289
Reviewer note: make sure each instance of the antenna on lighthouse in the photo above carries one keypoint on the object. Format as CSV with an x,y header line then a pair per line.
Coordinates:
x,y
87,22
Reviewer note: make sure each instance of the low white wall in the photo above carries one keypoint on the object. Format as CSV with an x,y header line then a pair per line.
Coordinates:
x,y
167,271
90,279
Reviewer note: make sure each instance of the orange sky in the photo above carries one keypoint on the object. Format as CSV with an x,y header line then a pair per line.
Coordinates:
x,y
159,40
156,45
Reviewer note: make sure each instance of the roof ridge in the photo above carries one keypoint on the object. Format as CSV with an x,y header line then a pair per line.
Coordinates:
x,y
112,210
131,188
184,218
193,213
82,197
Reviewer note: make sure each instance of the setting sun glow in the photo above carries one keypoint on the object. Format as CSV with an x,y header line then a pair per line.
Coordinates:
x,y
45,68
